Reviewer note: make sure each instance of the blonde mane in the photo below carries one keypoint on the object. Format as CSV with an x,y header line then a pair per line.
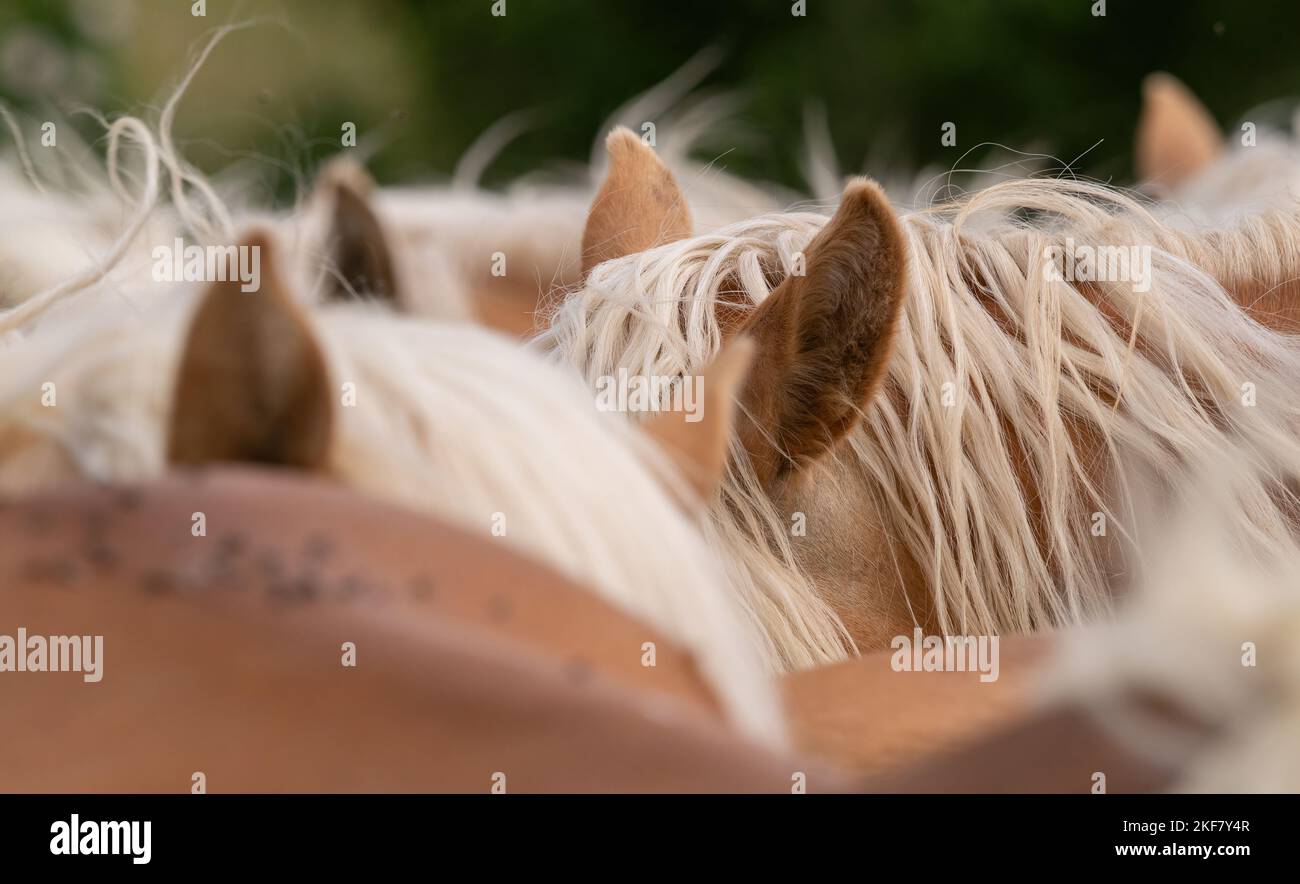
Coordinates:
x,y
1212,632
1242,182
449,419
1033,367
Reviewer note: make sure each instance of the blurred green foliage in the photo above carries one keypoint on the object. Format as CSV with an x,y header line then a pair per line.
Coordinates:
x,y
422,78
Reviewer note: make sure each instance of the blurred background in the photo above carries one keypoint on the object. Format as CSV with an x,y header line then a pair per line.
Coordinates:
x,y
423,78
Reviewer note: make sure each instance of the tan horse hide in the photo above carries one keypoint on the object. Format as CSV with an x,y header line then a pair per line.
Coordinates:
x,y
268,633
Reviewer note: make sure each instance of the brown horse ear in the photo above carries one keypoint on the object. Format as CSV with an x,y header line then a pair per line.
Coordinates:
x,y
824,337
697,445
356,240
638,206
1176,136
252,384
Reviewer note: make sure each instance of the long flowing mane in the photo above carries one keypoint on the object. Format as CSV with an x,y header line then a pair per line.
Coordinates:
x,y
1018,406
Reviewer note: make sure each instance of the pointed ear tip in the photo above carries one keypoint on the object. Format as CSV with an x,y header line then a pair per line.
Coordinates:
x,y
618,135
259,238
1159,88
622,142
863,188
1156,81
866,196
343,174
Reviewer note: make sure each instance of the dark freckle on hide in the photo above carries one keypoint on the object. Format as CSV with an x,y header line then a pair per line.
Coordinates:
x,y
301,589
318,547
422,589
58,570
230,546
101,556
158,583
500,608
128,498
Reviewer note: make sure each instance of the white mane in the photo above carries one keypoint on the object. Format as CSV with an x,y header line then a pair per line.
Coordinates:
x,y
1242,182
450,420
1212,634
1159,382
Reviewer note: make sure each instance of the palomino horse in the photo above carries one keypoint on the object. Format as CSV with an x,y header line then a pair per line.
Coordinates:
x,y
362,397
1181,155
320,640
447,419
1183,159
390,651
459,646
948,412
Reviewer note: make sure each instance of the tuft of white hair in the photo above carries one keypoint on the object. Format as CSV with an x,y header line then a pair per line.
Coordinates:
x,y
1156,376
450,419
1212,633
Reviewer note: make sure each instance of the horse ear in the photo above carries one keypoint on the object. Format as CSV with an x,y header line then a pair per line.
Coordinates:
x,y
698,447
252,384
824,337
638,206
356,241
1176,135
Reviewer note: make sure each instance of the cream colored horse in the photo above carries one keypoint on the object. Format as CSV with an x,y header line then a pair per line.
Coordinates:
x,y
443,418
1184,159
946,419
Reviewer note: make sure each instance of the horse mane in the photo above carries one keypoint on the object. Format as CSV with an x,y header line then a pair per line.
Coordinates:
x,y
1211,633
1033,363
170,197
449,418
1242,182
1258,168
